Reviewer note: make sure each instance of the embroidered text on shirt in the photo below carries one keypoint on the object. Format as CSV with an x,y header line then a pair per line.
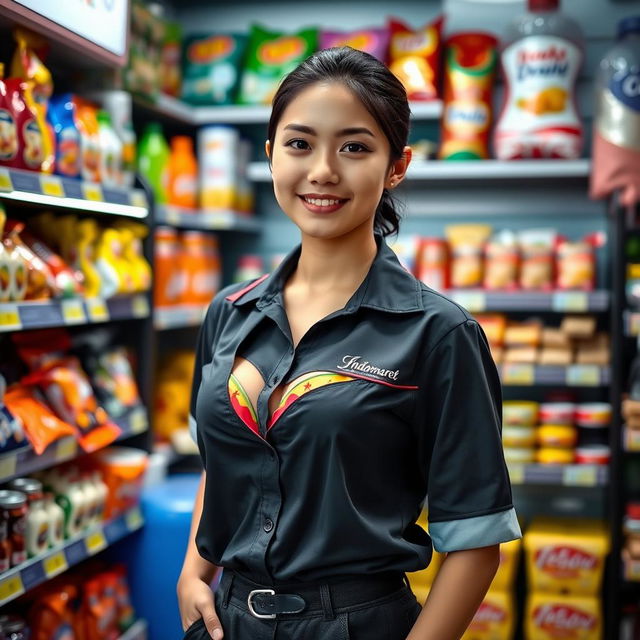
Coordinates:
x,y
353,363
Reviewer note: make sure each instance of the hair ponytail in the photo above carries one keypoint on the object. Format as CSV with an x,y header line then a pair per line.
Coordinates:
x,y
387,219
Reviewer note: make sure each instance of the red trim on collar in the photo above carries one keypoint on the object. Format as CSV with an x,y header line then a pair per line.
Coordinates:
x,y
238,294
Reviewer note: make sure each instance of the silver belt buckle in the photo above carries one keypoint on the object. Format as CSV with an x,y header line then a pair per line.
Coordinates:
x,y
254,613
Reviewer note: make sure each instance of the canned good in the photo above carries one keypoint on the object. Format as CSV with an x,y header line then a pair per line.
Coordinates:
x,y
13,504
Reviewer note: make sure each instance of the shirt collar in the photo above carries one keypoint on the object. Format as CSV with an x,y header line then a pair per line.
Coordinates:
x,y
388,286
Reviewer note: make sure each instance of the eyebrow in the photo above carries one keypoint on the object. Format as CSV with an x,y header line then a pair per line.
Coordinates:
x,y
349,131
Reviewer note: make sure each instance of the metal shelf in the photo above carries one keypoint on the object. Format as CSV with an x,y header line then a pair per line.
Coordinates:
x,y
55,191
565,475
575,375
552,301
30,574
137,631
207,219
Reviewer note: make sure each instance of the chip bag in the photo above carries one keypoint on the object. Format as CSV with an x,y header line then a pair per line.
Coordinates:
x,y
212,65
270,56
374,41
414,57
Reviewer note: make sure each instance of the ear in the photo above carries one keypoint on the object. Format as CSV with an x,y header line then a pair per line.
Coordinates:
x,y
267,149
398,169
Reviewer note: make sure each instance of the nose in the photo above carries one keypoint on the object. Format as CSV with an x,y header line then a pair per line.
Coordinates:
x,y
322,169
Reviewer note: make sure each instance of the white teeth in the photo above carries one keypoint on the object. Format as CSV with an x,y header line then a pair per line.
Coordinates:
x,y
321,202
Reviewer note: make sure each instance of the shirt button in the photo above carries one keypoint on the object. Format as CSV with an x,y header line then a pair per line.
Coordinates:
x,y
268,525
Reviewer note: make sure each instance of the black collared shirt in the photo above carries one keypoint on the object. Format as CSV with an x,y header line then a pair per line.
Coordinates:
x,y
396,398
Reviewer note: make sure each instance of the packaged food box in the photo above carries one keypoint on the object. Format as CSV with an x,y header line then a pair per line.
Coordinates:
x,y
520,413
509,556
551,617
566,555
494,619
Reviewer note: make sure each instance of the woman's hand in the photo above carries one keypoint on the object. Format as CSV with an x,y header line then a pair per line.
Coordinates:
x,y
195,600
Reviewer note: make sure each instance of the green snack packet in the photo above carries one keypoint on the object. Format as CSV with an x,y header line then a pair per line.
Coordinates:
x,y
211,68
270,56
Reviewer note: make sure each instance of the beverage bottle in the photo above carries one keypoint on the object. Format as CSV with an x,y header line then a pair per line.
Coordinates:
x,y
119,106
217,149
153,160
111,147
183,173
616,124
541,58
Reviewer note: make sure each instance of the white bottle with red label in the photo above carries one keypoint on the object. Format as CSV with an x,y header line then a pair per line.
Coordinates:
x,y
541,57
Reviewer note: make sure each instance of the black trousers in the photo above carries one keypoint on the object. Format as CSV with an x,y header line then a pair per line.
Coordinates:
x,y
389,617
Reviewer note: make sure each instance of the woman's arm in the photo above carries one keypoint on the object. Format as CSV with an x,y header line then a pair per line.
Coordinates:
x,y
456,594
195,597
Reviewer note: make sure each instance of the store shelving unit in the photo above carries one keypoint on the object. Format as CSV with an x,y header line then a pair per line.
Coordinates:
x,y
477,301
563,475
574,375
178,316
206,220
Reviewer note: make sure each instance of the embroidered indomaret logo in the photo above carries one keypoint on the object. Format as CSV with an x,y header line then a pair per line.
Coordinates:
x,y
353,363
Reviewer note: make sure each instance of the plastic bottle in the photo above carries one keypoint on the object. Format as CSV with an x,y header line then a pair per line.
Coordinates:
x,y
37,524
153,161
56,520
111,147
183,174
102,492
217,149
616,125
541,58
119,106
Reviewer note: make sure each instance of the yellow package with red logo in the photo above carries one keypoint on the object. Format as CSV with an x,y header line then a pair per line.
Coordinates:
x,y
509,557
566,555
270,56
555,617
414,57
470,62
494,619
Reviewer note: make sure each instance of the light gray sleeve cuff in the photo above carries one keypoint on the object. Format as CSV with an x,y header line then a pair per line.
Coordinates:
x,y
193,428
473,533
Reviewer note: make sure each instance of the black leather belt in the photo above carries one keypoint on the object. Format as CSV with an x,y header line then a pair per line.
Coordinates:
x,y
269,602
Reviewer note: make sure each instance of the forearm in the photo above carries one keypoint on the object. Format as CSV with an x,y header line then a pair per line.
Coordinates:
x,y
456,594
194,564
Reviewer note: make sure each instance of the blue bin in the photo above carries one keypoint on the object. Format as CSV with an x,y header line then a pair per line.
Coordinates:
x,y
154,555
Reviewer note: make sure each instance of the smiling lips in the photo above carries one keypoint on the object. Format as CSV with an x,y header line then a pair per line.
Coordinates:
x,y
322,203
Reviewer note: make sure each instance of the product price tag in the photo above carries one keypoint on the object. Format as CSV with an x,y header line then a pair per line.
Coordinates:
x,y
140,306
66,449
580,475
8,463
473,301
55,564
5,180
10,588
520,374
138,199
583,375
52,186
134,519
9,317
573,301
97,309
138,420
92,192
95,542
516,473
73,312
171,216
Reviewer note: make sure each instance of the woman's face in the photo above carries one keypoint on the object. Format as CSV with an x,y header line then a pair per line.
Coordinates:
x,y
330,162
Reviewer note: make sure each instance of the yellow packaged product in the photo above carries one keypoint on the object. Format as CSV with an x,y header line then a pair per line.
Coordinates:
x,y
467,243
555,617
132,234
428,575
494,619
509,557
517,413
555,455
566,555
86,234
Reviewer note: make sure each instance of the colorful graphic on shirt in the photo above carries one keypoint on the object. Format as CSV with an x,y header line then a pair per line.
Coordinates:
x,y
242,405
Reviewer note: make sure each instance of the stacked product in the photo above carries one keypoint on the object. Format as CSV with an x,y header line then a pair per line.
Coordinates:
x,y
187,268
631,549
565,565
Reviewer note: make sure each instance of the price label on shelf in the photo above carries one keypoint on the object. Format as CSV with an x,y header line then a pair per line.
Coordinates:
x,y
9,317
97,309
95,542
73,312
8,463
583,375
473,301
10,588
66,449
140,306
92,192
571,301
521,374
171,215
138,421
134,519
516,473
138,199
580,475
55,564
52,186
5,180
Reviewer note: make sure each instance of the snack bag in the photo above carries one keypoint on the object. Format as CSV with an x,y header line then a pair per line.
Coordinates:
x,y
495,618
536,251
501,261
374,41
470,62
113,269
52,615
467,245
86,116
576,265
86,234
9,144
212,66
270,56
27,63
132,234
61,116
414,57
126,613
550,617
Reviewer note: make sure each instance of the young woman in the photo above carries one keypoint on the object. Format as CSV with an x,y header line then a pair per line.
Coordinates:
x,y
335,394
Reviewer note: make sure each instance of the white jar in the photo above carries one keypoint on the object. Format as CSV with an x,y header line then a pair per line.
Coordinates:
x,y
217,150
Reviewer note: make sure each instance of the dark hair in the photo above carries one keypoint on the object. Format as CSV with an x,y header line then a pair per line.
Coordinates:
x,y
381,93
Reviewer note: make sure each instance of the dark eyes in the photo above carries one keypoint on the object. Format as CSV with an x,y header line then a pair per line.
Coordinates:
x,y
350,147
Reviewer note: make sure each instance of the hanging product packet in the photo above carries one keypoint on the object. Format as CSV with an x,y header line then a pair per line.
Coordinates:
x,y
9,145
470,63
61,116
374,41
414,57
270,56
211,66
